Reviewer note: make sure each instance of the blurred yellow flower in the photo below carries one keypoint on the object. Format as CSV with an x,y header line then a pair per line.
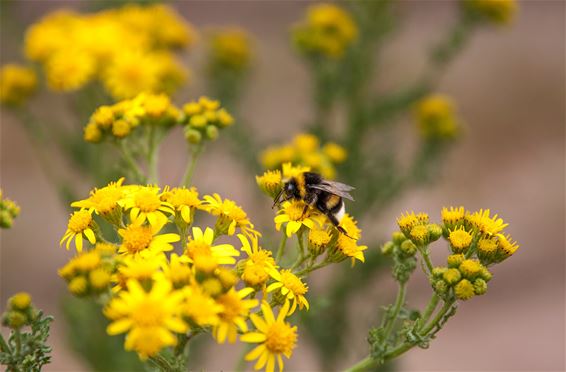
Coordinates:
x,y
436,117
500,12
235,311
230,49
17,84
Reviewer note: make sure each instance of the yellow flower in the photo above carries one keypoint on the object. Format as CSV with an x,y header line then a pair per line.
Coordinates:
x,y
270,182
230,49
292,214
350,248
335,152
484,223
131,73
306,142
487,249
20,301
178,271
464,290
69,70
436,117
275,336
137,238
199,307
328,30
149,318
183,200
202,245
319,239
256,267
499,12
407,221
235,311
229,215
506,247
291,287
460,240
145,204
104,201
17,84
80,224
290,171
142,268
470,269
452,216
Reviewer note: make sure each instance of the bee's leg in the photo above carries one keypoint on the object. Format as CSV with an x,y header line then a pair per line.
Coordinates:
x,y
310,201
334,215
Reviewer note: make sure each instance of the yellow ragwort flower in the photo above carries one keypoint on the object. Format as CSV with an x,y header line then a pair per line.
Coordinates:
x,y
275,336
144,203
235,311
183,200
201,244
138,238
17,84
258,264
291,213
150,318
499,12
80,225
291,287
484,223
460,240
104,201
230,216
270,182
199,307
230,48
436,117
452,216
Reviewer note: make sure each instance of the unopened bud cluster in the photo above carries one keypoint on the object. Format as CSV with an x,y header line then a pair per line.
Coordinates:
x,y
8,211
462,278
203,119
20,311
403,251
90,273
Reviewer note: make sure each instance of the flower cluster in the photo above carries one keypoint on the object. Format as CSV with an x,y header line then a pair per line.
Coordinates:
x,y
476,241
305,150
327,31
20,311
8,211
128,49
230,50
17,84
165,277
436,118
499,12
203,119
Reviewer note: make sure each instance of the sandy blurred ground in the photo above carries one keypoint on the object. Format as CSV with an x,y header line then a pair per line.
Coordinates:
x,y
509,85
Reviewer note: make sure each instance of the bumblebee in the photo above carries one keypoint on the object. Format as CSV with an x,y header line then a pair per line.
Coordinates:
x,y
324,195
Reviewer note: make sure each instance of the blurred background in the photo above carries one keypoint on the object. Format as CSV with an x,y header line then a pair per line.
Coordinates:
x,y
509,86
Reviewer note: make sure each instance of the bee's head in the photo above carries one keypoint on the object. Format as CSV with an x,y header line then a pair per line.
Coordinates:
x,y
288,190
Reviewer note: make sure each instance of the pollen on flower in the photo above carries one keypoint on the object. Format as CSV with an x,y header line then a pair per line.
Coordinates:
x,y
79,221
464,290
281,338
270,182
147,200
406,222
452,216
419,234
293,283
470,268
483,222
507,247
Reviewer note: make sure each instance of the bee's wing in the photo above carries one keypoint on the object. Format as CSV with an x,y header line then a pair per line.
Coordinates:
x,y
330,186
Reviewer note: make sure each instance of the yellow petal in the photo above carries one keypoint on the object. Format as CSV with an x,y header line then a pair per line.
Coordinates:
x,y
253,337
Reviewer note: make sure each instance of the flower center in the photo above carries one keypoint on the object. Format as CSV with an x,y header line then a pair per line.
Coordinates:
x,y
79,221
255,274
232,306
137,238
107,199
294,284
148,313
295,211
460,238
185,197
281,338
319,238
198,248
147,201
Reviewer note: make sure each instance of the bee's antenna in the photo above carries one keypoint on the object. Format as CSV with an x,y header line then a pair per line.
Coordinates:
x,y
277,197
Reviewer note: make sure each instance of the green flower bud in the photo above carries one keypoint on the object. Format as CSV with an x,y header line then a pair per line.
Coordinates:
x,y
452,276
485,274
419,235
387,248
440,287
470,268
454,260
192,135
6,219
211,132
408,248
437,272
464,290
398,237
480,286
434,231
198,121
14,319
20,301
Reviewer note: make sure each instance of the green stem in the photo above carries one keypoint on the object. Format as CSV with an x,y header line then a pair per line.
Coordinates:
x,y
131,161
162,363
191,165
426,258
152,156
18,342
313,268
281,249
429,309
438,317
396,309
